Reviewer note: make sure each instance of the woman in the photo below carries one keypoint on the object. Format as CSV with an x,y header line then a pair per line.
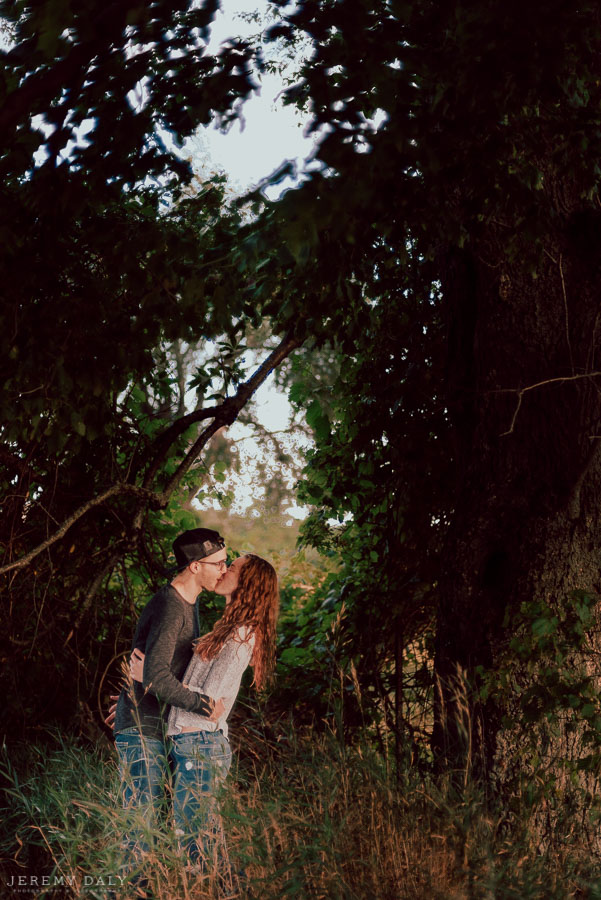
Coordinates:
x,y
245,633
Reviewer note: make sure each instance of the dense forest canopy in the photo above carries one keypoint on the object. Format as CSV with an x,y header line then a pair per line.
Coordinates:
x,y
430,293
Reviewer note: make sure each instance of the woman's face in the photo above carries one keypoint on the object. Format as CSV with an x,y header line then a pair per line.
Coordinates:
x,y
228,582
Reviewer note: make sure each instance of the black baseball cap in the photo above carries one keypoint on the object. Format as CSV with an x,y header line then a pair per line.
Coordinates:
x,y
196,544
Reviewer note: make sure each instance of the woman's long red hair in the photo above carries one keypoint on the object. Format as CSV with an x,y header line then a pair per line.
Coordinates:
x,y
255,603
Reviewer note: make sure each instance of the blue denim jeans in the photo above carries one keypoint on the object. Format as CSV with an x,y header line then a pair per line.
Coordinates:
x,y
201,761
144,773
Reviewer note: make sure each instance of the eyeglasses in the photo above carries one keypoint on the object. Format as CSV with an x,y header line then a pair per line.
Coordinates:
x,y
222,563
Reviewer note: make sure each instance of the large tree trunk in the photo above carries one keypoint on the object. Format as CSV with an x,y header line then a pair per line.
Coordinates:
x,y
527,519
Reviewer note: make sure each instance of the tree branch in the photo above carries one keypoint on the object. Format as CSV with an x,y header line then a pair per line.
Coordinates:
x,y
224,414
519,392
229,410
167,437
113,491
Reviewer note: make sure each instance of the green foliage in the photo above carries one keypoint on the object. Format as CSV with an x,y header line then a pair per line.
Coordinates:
x,y
545,674
545,683
117,286
375,506
459,152
458,149
121,72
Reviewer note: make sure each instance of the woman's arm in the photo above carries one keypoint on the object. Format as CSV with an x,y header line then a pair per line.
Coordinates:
x,y
228,667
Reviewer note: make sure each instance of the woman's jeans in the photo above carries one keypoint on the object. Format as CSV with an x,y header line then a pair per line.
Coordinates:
x,y
199,762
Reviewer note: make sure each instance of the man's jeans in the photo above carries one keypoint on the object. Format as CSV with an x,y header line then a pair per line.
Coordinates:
x,y
144,773
201,761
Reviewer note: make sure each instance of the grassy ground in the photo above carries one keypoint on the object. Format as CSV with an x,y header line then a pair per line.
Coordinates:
x,y
305,817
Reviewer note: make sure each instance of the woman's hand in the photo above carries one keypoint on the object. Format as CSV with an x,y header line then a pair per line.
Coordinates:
x,y
136,665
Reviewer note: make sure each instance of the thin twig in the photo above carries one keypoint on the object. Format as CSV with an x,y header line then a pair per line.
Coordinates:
x,y
559,263
565,305
91,593
521,391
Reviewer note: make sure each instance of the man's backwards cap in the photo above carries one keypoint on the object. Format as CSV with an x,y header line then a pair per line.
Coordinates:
x,y
196,544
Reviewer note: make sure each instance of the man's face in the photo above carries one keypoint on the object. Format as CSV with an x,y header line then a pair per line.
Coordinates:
x,y
209,570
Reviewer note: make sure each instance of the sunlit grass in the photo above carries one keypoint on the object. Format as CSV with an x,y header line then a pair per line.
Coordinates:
x,y
305,817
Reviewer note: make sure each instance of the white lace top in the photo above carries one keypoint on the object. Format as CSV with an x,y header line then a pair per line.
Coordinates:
x,y
219,678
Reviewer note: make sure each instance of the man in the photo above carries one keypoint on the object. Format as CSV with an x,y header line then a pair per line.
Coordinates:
x,y
165,631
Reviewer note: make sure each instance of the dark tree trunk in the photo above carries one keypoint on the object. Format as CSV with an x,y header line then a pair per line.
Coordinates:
x,y
527,518
399,736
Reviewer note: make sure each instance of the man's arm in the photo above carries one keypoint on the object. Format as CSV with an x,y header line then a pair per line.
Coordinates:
x,y
136,667
158,677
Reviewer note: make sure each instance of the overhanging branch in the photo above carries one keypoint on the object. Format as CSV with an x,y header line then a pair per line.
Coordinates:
x,y
224,414
113,491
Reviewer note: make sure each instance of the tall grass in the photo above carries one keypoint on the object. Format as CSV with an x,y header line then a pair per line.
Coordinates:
x,y
306,816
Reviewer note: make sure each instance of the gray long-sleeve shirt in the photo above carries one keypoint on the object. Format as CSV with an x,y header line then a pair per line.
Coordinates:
x,y
165,631
219,678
